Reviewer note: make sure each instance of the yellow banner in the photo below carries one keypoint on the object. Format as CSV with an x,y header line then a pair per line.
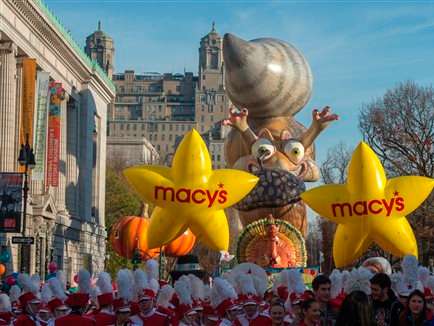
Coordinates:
x,y
28,108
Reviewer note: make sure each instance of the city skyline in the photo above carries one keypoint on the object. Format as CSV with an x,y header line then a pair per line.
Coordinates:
x,y
356,51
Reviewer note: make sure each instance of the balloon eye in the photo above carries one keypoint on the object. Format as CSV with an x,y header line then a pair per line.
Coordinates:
x,y
294,150
263,149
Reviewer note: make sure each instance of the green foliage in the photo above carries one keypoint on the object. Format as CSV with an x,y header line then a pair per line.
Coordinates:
x,y
120,201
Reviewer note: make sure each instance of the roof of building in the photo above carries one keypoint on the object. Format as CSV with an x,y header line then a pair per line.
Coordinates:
x,y
77,49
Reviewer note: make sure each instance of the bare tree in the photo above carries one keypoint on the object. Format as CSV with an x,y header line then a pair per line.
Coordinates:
x,y
333,170
400,128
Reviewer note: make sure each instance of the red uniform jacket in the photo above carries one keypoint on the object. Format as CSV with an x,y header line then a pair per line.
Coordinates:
x,y
5,318
104,318
74,320
25,320
154,318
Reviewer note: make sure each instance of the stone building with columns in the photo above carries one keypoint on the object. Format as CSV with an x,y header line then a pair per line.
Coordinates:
x,y
67,220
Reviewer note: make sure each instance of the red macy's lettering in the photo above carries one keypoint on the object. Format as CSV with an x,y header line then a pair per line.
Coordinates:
x,y
369,207
185,195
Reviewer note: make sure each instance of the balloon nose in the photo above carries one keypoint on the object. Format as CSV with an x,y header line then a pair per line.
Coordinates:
x,y
235,51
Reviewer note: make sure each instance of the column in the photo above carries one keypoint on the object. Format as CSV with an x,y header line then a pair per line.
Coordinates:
x,y
72,157
18,104
61,189
8,123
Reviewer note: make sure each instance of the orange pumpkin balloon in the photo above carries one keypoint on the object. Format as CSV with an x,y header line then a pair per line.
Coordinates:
x,y
130,233
181,246
2,269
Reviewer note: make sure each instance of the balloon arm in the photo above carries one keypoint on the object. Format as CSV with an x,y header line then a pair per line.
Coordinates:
x,y
249,137
320,121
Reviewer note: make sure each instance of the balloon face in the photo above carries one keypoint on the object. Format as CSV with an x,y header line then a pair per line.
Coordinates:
x,y
369,208
190,195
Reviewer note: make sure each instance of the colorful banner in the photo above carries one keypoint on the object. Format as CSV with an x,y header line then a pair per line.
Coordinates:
x,y
42,84
57,94
11,202
28,107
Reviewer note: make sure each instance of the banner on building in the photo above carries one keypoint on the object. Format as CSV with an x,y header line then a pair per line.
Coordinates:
x,y
28,104
11,201
57,95
41,120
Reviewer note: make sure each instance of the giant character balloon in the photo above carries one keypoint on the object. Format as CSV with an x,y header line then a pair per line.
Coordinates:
x,y
269,81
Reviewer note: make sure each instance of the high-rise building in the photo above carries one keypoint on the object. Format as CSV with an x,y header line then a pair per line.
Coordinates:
x,y
211,102
100,48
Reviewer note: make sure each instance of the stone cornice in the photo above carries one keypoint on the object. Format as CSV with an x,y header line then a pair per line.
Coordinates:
x,y
37,21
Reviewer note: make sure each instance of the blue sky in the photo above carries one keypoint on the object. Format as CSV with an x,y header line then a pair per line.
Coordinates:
x,y
356,50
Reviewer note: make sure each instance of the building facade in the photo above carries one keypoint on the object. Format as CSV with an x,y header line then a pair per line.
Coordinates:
x,y
159,107
65,217
163,107
129,151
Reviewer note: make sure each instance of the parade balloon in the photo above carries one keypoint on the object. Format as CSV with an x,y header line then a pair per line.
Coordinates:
x,y
190,195
76,278
2,269
5,287
181,246
15,275
5,257
52,267
369,208
128,234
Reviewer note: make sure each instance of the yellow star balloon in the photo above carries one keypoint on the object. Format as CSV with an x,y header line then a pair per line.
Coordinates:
x,y
190,195
369,208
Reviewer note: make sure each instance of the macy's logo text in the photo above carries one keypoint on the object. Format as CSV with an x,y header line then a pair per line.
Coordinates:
x,y
369,207
185,195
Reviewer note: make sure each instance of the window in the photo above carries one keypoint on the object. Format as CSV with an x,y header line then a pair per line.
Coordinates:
x,y
202,129
212,118
218,157
167,147
163,127
178,88
170,127
122,127
158,147
128,126
203,77
177,128
163,137
170,137
202,118
143,126
182,127
134,127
